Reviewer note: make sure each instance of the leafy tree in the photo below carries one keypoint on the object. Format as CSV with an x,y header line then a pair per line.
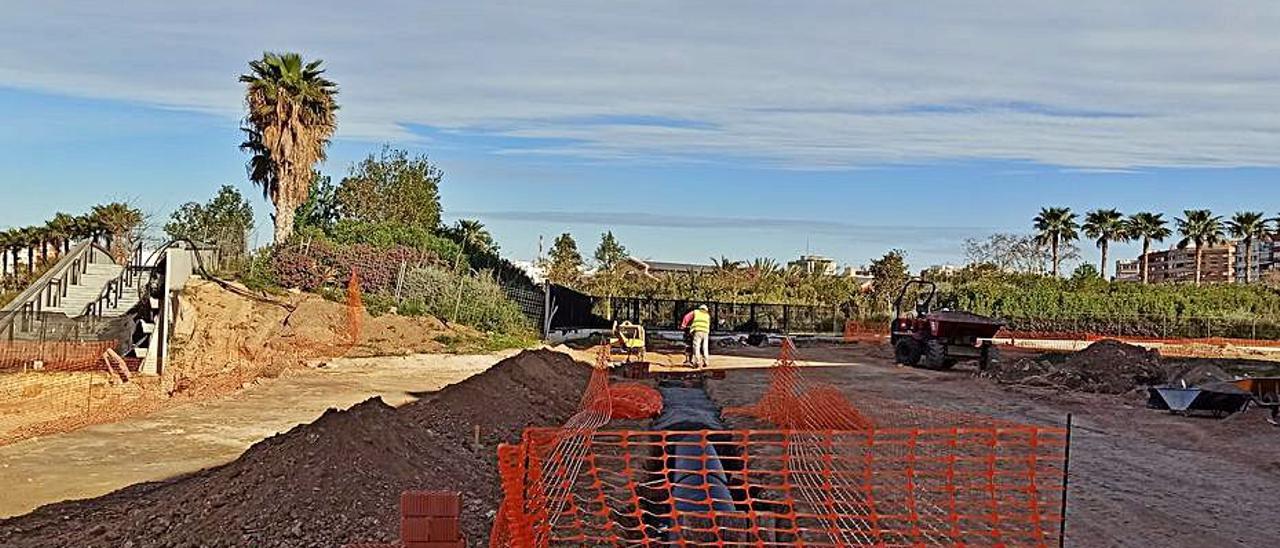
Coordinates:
x,y
1148,227
392,187
1014,253
1247,226
320,211
1105,226
291,116
889,274
224,221
1085,272
609,253
1054,226
565,265
123,225
1201,228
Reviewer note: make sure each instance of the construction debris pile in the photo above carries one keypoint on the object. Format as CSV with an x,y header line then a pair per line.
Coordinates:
x,y
1107,367
336,480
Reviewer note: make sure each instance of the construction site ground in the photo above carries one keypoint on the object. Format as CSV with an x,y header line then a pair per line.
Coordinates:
x,y
1139,477
96,460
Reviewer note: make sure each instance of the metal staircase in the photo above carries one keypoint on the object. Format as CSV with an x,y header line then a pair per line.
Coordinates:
x,y
85,284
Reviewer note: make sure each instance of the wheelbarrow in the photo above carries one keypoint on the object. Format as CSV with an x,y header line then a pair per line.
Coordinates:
x,y
1266,394
1216,398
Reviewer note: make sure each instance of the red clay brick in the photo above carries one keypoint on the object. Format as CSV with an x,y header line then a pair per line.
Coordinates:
x,y
374,545
430,504
460,543
420,529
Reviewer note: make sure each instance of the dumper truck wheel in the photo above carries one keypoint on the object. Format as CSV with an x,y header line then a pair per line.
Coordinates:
x,y
907,352
990,356
935,355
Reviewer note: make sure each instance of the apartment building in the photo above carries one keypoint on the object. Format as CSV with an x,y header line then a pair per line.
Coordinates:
x,y
1128,270
1218,265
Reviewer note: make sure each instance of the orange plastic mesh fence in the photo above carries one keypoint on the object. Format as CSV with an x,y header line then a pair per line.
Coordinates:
x,y
634,401
826,474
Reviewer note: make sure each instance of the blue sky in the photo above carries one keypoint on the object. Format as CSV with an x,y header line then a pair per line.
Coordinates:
x,y
690,130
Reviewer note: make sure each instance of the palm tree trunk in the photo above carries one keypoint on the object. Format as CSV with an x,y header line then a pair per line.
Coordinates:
x,y
1054,244
1146,263
1199,254
31,259
1103,271
1248,260
284,219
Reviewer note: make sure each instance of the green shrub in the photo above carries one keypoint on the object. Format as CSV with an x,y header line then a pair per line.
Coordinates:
x,y
412,307
378,304
258,273
1043,303
476,301
384,235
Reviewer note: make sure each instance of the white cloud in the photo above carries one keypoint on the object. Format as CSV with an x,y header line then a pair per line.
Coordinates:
x,y
811,85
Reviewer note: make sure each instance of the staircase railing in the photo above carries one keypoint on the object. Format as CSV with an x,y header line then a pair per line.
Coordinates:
x,y
110,295
50,288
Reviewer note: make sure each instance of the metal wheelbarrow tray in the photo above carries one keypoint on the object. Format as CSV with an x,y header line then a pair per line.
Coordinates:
x,y
1217,398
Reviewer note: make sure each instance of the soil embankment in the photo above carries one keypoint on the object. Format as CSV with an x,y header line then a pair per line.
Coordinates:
x,y
333,481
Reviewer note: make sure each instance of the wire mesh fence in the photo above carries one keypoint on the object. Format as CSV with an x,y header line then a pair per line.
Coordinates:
x,y
725,316
57,371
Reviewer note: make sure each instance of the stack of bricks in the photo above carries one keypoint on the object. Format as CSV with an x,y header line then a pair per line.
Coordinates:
x,y
428,519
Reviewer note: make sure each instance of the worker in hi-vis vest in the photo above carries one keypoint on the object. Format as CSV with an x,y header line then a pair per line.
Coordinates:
x,y
698,322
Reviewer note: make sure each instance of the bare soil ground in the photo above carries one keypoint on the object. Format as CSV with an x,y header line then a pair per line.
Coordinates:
x,y
99,459
223,342
336,480
1139,477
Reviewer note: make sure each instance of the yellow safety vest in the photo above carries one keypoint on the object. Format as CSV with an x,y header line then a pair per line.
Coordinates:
x,y
701,322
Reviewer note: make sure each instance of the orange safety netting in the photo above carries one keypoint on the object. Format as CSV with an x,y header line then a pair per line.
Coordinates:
x,y
634,401
826,473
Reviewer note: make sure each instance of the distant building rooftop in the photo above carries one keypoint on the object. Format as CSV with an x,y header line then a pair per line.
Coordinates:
x,y
666,267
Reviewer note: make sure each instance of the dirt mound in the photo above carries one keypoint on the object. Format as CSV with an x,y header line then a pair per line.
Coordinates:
x,y
224,339
336,480
1107,366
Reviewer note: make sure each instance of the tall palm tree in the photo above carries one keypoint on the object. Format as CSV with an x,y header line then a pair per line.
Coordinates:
x,y
1054,227
60,229
119,222
16,242
1148,227
7,238
475,234
290,120
1199,227
43,238
89,227
30,241
1105,226
1247,226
